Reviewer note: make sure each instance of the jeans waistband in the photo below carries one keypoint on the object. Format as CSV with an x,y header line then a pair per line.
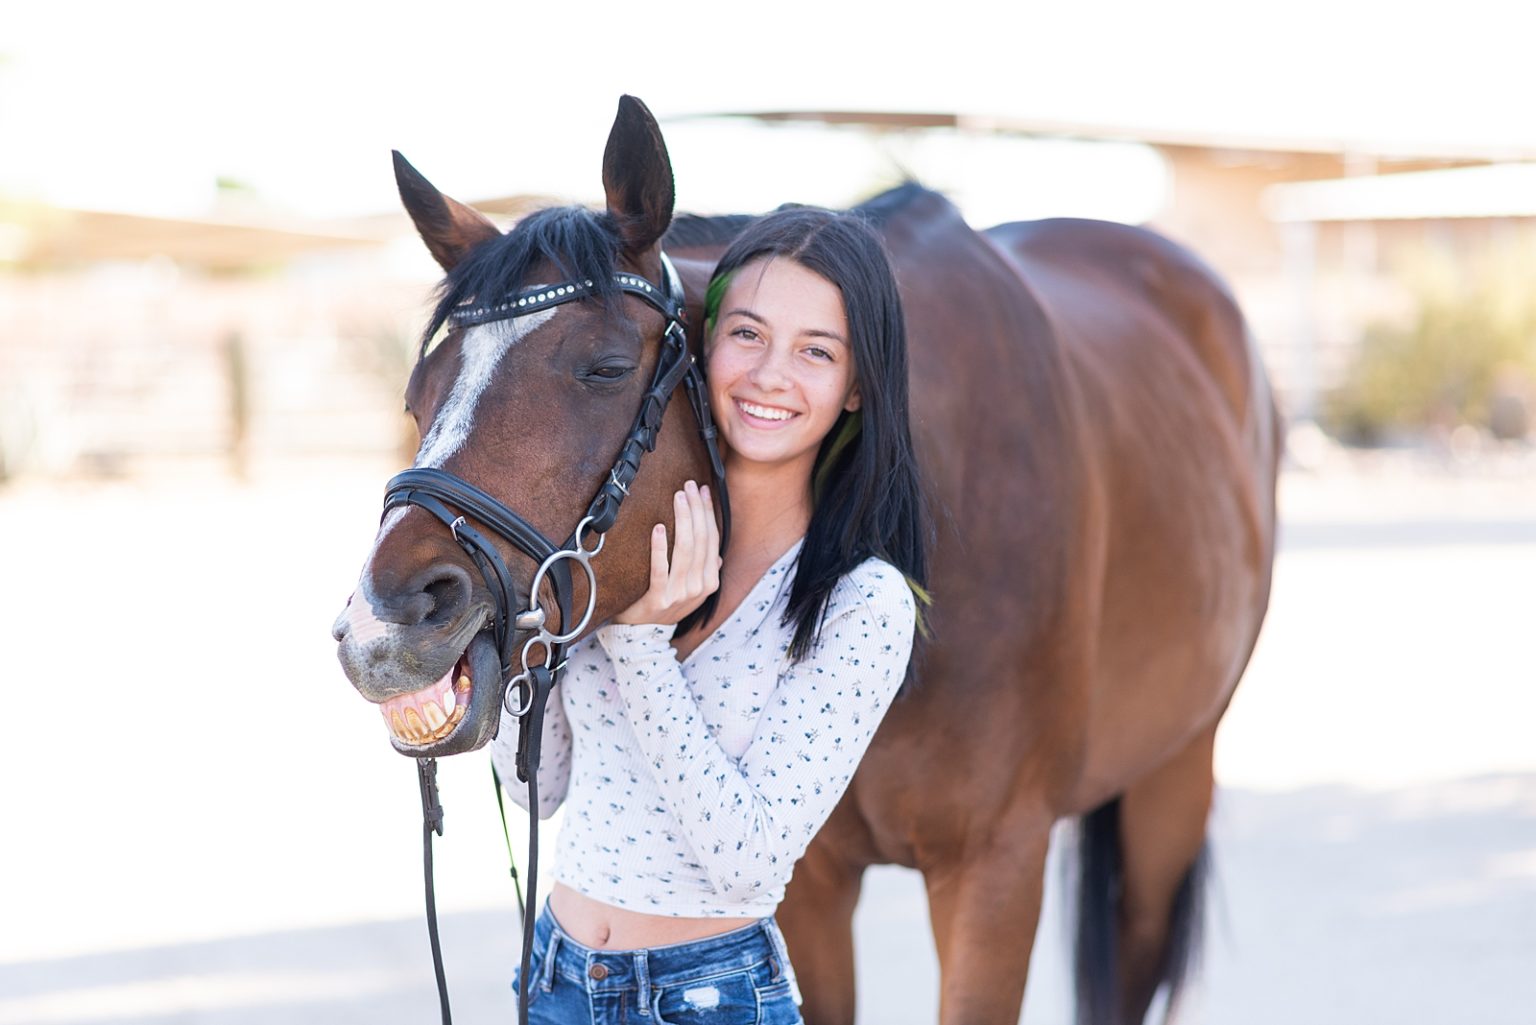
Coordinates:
x,y
605,970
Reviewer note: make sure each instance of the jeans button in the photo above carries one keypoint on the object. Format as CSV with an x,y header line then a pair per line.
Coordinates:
x,y
598,971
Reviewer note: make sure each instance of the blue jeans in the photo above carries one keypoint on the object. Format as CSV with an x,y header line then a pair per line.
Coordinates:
x,y
740,977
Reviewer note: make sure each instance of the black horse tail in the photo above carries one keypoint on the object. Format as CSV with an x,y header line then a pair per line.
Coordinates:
x,y
1100,882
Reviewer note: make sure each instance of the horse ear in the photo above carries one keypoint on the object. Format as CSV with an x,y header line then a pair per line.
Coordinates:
x,y
449,228
637,177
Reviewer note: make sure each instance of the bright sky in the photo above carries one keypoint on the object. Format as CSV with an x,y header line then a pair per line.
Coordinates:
x,y
140,106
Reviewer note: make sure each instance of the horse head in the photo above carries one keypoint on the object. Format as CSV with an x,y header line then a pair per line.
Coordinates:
x,y
532,409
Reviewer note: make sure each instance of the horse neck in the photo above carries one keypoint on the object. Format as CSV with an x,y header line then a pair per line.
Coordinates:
x,y
695,272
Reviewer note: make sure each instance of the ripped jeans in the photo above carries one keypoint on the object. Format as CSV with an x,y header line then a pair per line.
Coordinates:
x,y
740,977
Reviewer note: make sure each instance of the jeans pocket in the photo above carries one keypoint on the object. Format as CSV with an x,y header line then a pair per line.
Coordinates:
x,y
776,1004
729,999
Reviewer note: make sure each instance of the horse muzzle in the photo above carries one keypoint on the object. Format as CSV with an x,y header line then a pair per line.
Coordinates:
x,y
437,695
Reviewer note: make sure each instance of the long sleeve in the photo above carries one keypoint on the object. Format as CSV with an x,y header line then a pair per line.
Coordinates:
x,y
748,820
554,774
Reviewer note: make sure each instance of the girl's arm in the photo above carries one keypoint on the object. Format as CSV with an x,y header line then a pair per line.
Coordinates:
x,y
674,592
750,820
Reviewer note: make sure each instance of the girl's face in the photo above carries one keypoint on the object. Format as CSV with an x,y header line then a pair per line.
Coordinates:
x,y
780,363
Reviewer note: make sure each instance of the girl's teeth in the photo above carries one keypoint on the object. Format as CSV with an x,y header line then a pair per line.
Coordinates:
x,y
764,413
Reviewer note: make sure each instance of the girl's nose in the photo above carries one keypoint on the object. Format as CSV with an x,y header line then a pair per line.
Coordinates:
x,y
769,372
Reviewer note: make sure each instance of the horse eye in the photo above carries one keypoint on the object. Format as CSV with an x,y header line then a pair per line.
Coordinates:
x,y
610,371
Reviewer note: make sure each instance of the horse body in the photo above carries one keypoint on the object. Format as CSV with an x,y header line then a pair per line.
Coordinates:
x,y
1101,449
1179,436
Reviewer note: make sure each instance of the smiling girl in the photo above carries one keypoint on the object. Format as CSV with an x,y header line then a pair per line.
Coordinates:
x,y
697,758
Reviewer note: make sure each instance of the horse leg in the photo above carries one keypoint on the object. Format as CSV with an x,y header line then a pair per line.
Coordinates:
x,y
816,917
984,908
1163,821
1162,834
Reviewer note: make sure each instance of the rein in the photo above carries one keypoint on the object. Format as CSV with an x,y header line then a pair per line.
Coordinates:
x,y
456,502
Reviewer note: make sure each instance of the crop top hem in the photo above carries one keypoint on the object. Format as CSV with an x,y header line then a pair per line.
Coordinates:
x,y
746,912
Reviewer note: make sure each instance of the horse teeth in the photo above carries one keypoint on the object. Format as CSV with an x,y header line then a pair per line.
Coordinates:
x,y
434,715
431,714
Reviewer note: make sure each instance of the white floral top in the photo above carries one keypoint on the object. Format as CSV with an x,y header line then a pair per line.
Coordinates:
x,y
692,788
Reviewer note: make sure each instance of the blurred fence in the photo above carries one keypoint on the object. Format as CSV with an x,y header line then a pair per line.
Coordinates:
x,y
107,370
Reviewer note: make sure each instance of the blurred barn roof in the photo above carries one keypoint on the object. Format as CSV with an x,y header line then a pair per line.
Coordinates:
x,y
245,235
1152,135
40,236
1499,190
45,236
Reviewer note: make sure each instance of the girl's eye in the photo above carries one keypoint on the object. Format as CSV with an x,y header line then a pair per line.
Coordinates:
x,y
817,352
746,334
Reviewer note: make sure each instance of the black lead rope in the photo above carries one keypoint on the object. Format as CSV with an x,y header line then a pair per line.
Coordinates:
x,y
432,822
541,682
530,734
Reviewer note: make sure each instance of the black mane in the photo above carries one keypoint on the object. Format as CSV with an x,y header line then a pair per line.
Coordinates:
x,y
695,230
579,243
877,210
583,244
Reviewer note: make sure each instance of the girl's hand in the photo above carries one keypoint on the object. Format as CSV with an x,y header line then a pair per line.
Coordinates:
x,y
694,572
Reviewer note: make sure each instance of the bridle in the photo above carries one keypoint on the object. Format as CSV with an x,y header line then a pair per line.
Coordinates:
x,y
469,513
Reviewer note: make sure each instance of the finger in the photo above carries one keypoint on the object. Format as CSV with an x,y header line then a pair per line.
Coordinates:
x,y
659,558
700,539
711,543
682,550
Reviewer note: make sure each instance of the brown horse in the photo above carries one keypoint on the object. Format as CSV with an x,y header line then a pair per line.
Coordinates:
x,y
1101,446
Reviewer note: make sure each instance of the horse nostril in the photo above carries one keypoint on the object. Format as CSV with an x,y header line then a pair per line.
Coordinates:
x,y
449,593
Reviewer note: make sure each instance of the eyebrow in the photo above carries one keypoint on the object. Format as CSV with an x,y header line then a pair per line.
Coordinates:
x,y
810,332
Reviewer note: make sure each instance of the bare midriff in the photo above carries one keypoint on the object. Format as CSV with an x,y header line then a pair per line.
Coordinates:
x,y
605,927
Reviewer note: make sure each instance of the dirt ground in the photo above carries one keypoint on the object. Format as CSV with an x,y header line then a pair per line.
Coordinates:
x,y
207,825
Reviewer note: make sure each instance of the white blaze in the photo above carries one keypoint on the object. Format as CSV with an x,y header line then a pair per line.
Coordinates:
x,y
481,351
480,354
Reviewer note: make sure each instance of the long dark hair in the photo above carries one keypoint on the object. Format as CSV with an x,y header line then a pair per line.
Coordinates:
x,y
865,485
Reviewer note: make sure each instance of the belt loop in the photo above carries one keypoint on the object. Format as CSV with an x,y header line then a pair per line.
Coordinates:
x,y
783,967
776,945
547,980
781,951
643,983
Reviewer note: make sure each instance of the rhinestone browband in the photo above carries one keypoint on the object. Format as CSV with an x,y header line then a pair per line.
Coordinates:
x,y
544,296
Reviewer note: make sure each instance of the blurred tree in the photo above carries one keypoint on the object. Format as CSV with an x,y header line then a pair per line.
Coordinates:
x,y
1466,356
